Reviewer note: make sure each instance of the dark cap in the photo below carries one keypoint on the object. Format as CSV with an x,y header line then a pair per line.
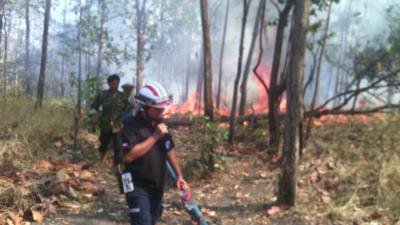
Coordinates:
x,y
113,77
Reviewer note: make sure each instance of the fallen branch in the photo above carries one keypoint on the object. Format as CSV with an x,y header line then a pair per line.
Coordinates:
x,y
380,109
190,121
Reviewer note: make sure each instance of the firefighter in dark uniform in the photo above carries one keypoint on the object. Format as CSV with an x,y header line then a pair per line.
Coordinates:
x,y
150,146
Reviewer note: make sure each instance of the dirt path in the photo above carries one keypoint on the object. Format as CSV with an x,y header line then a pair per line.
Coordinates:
x,y
238,193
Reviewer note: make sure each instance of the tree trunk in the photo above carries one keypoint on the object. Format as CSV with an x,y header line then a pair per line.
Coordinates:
x,y
243,86
295,77
187,77
318,72
276,84
28,72
238,74
100,38
42,74
140,32
79,100
1,18
200,78
1,32
221,58
208,100
62,83
162,57
5,66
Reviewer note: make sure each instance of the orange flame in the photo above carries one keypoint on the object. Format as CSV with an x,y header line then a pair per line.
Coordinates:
x,y
258,101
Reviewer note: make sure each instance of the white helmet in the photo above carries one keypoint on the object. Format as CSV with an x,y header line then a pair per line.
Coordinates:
x,y
154,95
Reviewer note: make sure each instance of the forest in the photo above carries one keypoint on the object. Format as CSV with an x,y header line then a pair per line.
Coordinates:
x,y
282,111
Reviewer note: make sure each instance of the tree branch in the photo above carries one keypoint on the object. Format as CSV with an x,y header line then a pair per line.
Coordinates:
x,y
353,92
260,55
351,112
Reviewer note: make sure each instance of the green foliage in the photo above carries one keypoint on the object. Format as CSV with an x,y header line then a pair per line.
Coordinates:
x,y
207,137
381,54
315,27
90,86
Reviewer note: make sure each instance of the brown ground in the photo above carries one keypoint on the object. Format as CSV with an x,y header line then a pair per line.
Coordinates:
x,y
240,192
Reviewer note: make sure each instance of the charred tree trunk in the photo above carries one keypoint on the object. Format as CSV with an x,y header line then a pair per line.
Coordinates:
x,y
295,77
232,121
243,86
42,74
277,86
208,100
140,32
221,58
28,72
100,40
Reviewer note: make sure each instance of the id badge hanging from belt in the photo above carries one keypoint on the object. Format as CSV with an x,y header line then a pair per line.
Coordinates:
x,y
126,182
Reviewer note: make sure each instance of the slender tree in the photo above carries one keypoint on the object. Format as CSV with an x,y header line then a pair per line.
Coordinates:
x,y
295,77
140,42
6,38
232,119
277,82
208,101
100,41
318,70
246,71
62,83
43,61
200,79
28,72
221,57
1,32
79,97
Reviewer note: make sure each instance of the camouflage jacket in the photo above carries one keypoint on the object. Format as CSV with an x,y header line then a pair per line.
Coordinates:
x,y
112,108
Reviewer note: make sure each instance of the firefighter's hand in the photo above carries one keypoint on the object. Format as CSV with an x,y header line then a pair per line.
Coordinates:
x,y
183,185
161,129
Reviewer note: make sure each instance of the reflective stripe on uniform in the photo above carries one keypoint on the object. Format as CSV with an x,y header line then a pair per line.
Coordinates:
x,y
134,210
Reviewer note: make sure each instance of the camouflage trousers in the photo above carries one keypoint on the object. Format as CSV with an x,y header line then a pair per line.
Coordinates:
x,y
107,137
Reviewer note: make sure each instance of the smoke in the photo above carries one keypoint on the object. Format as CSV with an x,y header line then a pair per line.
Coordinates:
x,y
353,24
175,36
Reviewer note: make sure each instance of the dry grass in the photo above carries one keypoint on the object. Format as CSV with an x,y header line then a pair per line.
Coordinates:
x,y
26,136
26,132
358,173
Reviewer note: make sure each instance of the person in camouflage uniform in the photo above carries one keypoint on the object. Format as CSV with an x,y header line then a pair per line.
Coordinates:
x,y
112,104
127,89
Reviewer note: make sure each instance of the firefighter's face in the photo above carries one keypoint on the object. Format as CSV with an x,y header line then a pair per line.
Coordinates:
x,y
113,85
155,113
